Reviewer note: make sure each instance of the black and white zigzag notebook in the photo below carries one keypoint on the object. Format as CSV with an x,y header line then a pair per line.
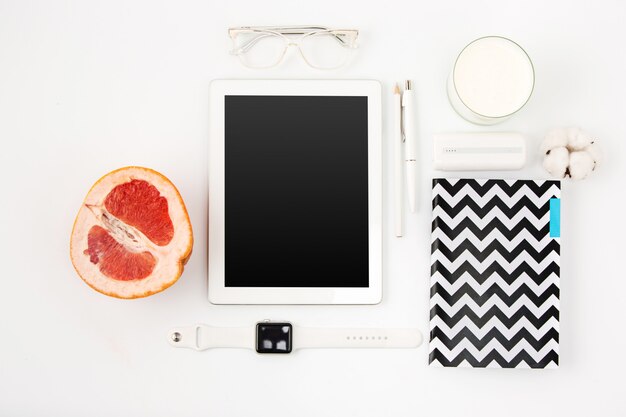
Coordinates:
x,y
495,270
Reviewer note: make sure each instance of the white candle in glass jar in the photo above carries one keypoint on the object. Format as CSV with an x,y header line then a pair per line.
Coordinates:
x,y
492,79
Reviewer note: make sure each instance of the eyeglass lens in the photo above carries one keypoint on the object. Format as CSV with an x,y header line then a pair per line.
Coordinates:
x,y
260,50
324,50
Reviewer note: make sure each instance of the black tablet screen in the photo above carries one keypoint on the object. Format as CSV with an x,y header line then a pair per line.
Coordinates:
x,y
296,199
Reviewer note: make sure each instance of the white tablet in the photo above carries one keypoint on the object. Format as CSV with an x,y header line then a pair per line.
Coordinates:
x,y
295,192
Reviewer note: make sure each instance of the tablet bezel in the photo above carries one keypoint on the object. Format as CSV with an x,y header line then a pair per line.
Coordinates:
x,y
218,292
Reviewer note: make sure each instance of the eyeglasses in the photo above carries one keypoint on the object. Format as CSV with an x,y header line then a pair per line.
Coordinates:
x,y
319,46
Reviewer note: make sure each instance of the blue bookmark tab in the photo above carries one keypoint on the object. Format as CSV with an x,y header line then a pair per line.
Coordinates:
x,y
555,217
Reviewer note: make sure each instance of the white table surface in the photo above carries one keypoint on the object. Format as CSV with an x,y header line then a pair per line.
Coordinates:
x,y
87,87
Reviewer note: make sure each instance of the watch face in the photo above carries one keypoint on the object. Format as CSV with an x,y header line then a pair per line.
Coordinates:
x,y
273,337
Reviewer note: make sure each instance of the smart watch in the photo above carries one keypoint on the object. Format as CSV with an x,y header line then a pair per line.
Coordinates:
x,y
283,337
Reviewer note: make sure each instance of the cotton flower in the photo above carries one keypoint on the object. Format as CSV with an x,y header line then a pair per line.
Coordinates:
x,y
570,152
580,164
555,138
577,139
556,161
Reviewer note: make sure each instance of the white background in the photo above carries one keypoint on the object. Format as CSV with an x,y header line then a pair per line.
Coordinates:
x,y
87,87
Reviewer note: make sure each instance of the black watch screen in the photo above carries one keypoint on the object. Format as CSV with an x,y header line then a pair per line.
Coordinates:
x,y
273,337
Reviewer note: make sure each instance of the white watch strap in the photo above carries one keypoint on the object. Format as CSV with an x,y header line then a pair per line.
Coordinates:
x,y
308,337
201,337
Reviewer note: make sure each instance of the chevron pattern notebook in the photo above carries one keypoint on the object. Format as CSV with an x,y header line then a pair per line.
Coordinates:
x,y
494,295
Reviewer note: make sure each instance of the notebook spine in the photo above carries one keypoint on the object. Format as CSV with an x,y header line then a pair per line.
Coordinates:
x,y
434,288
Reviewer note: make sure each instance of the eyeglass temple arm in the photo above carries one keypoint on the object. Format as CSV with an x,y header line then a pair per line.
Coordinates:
x,y
287,30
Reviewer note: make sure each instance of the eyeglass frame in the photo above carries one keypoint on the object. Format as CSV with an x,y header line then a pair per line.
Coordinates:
x,y
284,31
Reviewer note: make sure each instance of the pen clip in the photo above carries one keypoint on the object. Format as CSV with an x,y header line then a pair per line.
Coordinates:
x,y
408,86
402,116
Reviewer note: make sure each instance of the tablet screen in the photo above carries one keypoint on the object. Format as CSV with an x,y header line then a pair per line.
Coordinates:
x,y
296,191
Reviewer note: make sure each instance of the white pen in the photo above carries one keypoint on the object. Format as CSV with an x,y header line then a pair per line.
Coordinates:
x,y
397,138
410,151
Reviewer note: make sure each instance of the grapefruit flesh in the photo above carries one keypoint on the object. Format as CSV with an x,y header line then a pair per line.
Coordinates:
x,y
114,259
139,204
132,235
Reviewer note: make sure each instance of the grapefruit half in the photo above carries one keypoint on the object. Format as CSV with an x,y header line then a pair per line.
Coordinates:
x,y
132,235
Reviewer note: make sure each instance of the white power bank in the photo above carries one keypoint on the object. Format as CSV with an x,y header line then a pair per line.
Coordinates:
x,y
479,151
